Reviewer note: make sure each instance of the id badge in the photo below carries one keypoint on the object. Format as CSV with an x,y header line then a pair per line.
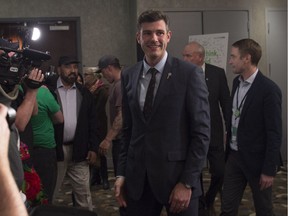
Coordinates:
x,y
234,134
237,113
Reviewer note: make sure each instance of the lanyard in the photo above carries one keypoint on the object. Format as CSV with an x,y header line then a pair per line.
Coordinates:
x,y
237,112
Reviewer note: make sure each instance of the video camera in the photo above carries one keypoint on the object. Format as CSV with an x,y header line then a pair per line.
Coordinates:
x,y
15,64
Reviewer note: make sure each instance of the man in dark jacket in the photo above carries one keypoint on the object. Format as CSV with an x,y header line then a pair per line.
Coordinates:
x,y
166,128
254,132
77,139
219,101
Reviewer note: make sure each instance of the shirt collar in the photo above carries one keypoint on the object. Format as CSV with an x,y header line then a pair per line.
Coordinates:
x,y
203,67
159,66
60,84
251,79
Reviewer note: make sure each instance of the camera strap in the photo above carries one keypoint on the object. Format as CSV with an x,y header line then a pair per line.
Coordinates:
x,y
32,84
11,95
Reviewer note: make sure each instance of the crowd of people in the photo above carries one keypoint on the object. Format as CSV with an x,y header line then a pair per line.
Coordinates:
x,y
167,116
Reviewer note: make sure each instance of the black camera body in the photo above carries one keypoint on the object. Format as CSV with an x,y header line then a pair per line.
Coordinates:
x,y
14,64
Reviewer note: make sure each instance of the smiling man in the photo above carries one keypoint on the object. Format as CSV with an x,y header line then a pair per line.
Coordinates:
x,y
166,127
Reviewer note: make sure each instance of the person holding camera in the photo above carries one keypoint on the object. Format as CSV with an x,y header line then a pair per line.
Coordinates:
x,y
17,66
44,144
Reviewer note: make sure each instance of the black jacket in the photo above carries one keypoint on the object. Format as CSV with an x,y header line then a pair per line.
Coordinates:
x,y
86,136
260,127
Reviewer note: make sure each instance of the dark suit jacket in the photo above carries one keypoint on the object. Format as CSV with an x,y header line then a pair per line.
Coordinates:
x,y
171,147
219,97
259,130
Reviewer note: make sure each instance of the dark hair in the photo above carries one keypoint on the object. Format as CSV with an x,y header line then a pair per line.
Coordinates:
x,y
249,46
152,16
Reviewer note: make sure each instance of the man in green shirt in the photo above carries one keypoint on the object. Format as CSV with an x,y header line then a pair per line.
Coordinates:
x,y
44,153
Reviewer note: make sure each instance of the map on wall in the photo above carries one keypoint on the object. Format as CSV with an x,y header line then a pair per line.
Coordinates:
x,y
215,45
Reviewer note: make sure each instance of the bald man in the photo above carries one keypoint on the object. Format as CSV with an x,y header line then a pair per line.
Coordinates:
x,y
219,100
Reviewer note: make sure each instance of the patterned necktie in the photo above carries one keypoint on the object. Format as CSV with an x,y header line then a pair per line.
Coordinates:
x,y
148,105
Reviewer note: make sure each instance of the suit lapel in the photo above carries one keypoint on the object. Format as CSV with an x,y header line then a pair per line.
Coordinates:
x,y
135,82
250,94
235,86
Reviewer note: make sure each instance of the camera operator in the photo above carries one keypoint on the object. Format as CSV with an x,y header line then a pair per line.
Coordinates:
x,y
16,66
26,106
25,109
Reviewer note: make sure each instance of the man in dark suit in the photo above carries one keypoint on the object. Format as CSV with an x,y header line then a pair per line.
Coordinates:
x,y
253,147
164,145
219,97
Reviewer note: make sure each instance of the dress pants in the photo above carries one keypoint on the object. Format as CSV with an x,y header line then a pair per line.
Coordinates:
x,y
100,173
149,206
235,181
79,176
45,164
116,149
216,158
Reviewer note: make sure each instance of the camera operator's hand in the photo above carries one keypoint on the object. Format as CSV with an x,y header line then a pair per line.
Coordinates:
x,y
34,79
36,74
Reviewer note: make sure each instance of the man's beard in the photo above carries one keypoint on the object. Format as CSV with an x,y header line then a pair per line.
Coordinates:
x,y
70,79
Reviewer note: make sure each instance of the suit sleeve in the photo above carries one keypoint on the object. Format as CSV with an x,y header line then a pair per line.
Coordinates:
x,y
273,126
126,128
199,128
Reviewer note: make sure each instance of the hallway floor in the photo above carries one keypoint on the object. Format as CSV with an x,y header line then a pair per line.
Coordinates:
x,y
105,204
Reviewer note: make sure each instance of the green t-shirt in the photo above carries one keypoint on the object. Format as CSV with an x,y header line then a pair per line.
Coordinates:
x,y
43,130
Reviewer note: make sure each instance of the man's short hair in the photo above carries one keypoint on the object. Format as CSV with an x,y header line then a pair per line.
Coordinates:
x,y
152,16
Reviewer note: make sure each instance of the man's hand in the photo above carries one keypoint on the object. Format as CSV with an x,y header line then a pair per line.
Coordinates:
x,y
96,85
104,146
36,74
179,198
34,79
91,157
119,191
265,181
